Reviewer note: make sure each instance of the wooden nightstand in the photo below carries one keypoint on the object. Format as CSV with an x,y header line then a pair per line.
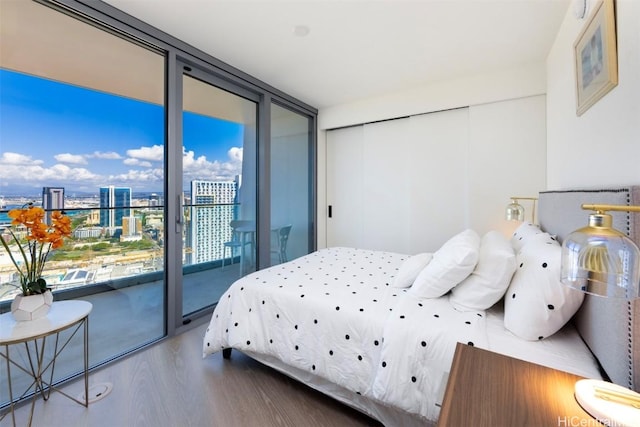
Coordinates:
x,y
491,389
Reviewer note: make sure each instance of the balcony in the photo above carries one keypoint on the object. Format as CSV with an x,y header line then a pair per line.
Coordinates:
x,y
127,290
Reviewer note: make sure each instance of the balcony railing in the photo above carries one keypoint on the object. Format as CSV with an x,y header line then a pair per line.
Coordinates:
x,y
125,252
122,274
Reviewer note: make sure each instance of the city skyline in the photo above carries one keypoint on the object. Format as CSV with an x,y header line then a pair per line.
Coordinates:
x,y
59,135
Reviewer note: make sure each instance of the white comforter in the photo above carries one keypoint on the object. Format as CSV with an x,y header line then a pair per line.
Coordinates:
x,y
335,314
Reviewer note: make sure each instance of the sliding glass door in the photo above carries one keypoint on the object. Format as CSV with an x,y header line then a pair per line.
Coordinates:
x,y
82,134
181,173
219,136
291,184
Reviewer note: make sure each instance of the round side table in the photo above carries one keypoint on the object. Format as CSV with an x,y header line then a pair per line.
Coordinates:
x,y
33,334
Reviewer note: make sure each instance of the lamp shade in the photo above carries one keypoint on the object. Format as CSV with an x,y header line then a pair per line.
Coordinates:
x,y
514,211
600,260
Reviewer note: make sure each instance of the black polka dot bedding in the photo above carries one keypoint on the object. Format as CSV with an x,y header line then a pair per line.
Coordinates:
x,y
335,314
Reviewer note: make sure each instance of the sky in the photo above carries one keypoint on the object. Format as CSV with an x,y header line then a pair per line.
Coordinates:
x,y
58,135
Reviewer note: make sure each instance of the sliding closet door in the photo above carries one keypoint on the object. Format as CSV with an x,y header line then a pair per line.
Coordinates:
x,y
367,186
438,189
387,147
398,185
345,184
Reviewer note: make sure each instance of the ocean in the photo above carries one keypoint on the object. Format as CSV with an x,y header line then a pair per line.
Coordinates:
x,y
4,217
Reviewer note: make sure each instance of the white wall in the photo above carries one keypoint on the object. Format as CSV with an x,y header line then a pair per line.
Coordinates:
x,y
507,153
455,93
601,147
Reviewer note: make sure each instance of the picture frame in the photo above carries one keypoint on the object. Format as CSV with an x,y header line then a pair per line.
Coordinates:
x,y
596,56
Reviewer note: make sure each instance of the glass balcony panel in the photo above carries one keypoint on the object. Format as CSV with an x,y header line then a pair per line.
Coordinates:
x,y
83,134
219,176
291,185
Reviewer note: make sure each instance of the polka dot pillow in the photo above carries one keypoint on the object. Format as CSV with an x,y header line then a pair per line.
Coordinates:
x,y
451,264
410,269
536,303
524,233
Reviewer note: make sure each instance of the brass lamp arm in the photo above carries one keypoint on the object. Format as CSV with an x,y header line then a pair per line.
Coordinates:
x,y
605,208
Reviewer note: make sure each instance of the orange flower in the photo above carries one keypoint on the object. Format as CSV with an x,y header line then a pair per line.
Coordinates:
x,y
41,238
18,216
61,223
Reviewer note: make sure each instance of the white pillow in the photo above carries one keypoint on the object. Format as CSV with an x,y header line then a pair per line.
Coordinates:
x,y
491,277
410,269
451,264
537,304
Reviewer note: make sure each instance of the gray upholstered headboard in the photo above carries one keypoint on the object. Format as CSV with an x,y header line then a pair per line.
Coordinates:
x,y
611,328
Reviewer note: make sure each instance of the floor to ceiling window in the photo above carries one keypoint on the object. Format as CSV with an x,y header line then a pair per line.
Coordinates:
x,y
291,184
81,135
180,177
219,137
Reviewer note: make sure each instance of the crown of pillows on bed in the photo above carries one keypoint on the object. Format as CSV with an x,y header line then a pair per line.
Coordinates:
x,y
479,272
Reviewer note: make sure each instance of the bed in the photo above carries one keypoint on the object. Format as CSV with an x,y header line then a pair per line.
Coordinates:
x,y
377,330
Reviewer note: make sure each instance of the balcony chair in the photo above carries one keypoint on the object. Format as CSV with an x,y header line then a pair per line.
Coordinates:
x,y
242,235
279,242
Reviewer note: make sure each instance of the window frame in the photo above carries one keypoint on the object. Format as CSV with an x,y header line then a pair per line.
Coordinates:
x,y
177,54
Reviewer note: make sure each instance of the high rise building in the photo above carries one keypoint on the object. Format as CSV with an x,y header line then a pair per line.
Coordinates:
x,y
93,217
52,200
209,224
131,228
154,200
115,203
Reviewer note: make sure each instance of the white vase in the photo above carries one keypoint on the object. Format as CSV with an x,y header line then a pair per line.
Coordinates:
x,y
31,307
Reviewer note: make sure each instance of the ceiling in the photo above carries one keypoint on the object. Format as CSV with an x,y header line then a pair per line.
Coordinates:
x,y
357,49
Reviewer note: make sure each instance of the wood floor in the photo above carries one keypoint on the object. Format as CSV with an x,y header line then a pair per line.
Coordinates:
x,y
170,385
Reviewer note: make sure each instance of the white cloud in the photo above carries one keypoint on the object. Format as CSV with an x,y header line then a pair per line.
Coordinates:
x,y
190,163
37,175
72,174
111,155
201,168
9,158
154,153
235,154
24,169
136,162
138,176
74,159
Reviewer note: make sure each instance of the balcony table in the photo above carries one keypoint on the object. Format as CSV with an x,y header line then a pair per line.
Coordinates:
x,y
33,334
247,234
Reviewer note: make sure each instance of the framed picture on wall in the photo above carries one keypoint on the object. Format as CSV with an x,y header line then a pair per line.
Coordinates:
x,y
596,56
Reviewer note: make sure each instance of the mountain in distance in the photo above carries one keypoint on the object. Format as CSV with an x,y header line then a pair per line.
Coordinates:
x,y
35,193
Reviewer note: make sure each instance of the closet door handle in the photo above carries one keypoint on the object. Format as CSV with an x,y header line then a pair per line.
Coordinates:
x,y
330,211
